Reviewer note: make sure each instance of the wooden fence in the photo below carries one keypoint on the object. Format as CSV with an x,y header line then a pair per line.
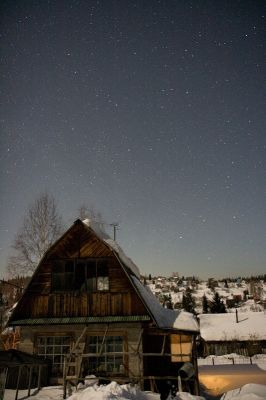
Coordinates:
x,y
231,360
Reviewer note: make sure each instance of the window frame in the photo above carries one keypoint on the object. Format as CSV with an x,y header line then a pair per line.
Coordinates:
x,y
52,341
67,277
181,344
118,361
91,281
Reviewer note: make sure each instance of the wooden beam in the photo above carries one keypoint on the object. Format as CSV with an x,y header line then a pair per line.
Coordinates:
x,y
39,377
113,353
140,338
136,377
18,379
29,385
101,348
163,346
3,383
79,339
170,331
64,377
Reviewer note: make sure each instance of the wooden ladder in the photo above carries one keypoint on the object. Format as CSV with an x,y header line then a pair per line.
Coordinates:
x,y
73,361
73,364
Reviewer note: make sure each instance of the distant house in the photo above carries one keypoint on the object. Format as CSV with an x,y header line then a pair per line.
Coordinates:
x,y
85,305
243,333
256,290
233,300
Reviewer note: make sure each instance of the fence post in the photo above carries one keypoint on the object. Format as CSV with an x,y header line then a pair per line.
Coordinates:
x,y
212,360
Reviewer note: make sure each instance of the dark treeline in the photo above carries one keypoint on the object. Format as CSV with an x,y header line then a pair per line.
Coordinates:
x,y
261,277
251,278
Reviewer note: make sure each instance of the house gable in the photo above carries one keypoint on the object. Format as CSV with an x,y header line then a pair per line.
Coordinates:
x,y
80,276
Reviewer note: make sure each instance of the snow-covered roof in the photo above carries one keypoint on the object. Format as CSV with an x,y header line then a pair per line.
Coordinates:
x,y
113,245
164,317
220,327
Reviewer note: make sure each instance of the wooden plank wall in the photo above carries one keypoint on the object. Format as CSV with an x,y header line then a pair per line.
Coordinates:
x,y
91,304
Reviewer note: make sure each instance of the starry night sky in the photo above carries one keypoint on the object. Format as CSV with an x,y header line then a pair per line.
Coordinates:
x,y
153,112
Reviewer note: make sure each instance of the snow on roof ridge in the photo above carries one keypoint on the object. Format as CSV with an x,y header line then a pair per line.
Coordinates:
x,y
96,227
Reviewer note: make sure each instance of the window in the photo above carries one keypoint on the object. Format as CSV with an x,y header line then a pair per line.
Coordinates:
x,y
102,275
80,274
110,361
63,275
102,283
96,275
54,348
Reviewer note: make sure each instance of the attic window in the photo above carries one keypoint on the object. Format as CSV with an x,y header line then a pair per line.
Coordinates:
x,y
63,275
96,275
88,275
102,276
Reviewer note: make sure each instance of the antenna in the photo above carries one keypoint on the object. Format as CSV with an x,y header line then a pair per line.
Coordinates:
x,y
115,226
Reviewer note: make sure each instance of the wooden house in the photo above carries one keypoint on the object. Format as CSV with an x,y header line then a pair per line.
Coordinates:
x,y
86,310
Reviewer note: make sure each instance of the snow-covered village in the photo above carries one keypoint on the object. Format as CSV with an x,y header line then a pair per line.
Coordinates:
x,y
89,321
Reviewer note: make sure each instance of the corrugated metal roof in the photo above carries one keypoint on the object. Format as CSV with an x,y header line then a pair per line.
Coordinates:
x,y
79,320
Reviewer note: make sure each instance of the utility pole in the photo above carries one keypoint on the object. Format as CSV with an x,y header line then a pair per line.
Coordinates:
x,y
237,316
115,226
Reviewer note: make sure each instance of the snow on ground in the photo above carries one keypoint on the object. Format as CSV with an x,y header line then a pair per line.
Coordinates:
x,y
250,305
113,391
250,391
46,393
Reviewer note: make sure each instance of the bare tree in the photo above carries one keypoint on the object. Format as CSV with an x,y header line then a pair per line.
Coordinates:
x,y
42,225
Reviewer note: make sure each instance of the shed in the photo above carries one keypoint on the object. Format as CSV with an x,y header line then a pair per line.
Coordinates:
x,y
20,370
243,333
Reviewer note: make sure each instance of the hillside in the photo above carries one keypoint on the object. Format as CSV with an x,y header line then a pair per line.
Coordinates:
x,y
246,296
